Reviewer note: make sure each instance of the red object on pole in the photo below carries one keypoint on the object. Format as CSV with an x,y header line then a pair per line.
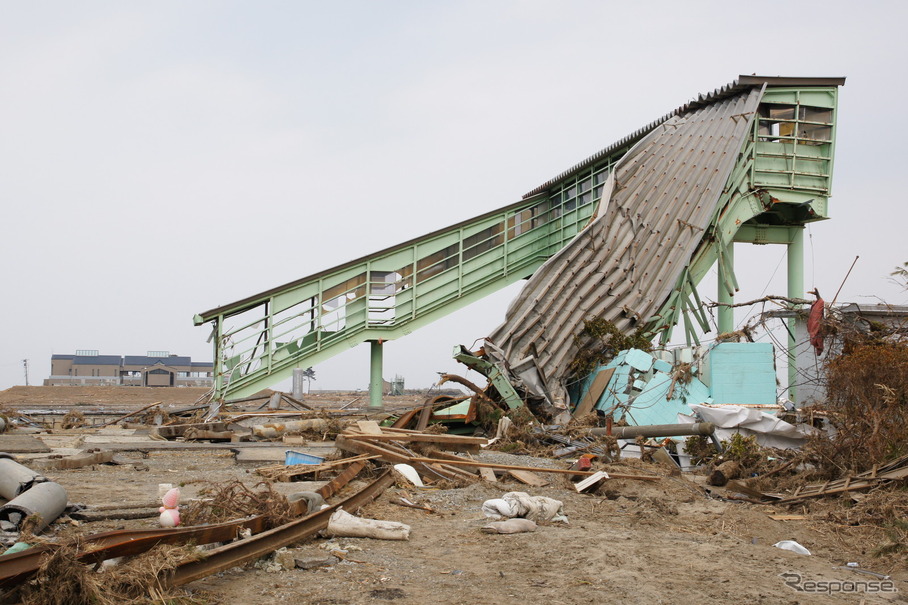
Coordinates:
x,y
815,325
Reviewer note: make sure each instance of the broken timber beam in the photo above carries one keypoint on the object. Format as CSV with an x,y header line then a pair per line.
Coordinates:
x,y
362,446
533,469
76,461
451,442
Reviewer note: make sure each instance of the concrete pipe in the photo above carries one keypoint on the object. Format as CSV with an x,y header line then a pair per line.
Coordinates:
x,y
658,430
46,500
15,478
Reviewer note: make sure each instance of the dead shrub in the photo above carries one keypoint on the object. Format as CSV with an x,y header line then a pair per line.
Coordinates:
x,y
700,449
73,419
867,404
152,417
598,342
221,502
63,580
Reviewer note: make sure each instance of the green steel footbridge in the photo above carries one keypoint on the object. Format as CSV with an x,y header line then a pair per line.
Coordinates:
x,y
779,180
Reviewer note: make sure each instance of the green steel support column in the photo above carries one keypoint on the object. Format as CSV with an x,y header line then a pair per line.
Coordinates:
x,y
218,361
726,314
795,290
375,375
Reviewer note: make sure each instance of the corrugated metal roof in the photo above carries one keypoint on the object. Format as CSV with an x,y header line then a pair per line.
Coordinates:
x,y
742,83
658,201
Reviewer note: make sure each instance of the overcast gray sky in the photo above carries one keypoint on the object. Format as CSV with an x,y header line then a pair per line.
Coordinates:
x,y
158,159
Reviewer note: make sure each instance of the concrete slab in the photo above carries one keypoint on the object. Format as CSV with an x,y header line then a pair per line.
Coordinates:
x,y
63,441
22,444
117,439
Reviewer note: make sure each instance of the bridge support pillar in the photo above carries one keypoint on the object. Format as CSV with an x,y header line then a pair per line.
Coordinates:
x,y
795,290
726,319
376,382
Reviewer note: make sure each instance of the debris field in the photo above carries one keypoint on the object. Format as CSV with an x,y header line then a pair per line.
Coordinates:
x,y
641,530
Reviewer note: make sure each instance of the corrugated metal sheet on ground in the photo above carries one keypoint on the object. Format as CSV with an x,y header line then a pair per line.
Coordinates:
x,y
623,266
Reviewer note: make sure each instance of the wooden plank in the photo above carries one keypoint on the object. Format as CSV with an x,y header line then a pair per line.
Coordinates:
x,y
286,473
69,462
456,471
172,431
528,477
487,474
737,486
532,469
434,472
594,393
424,438
788,517
592,482
369,427
366,447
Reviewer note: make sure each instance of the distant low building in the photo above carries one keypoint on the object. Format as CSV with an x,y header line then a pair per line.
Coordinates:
x,y
156,369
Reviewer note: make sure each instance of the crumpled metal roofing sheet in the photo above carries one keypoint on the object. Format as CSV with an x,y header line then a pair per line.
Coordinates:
x,y
656,206
732,88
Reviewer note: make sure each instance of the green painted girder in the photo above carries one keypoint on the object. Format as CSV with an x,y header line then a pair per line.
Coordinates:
x,y
493,373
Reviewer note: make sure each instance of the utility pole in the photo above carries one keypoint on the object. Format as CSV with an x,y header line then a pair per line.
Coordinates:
x,y
25,363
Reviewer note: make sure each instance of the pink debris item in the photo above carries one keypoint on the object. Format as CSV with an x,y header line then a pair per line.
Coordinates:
x,y
170,514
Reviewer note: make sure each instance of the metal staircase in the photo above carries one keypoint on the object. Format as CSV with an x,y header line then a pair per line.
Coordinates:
x,y
386,295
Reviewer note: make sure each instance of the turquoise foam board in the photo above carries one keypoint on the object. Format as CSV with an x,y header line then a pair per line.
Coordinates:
x,y
742,373
639,360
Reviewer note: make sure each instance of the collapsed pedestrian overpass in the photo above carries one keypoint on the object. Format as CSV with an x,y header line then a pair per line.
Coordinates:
x,y
749,162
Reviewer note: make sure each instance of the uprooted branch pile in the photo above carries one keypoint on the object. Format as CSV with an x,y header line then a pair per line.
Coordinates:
x,y
64,580
233,500
867,400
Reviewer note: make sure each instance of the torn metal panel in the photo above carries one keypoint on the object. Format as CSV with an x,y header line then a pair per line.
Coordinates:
x,y
657,205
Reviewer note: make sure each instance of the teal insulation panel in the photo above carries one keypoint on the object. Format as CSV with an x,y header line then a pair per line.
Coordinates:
x,y
642,392
742,373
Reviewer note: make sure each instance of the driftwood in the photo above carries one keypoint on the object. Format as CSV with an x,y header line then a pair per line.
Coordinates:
x,y
139,411
725,472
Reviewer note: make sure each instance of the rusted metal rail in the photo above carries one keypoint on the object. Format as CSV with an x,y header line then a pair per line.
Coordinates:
x,y
243,551
17,567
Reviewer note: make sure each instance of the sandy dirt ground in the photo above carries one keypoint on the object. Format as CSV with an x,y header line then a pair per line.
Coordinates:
x,y
666,541
79,396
